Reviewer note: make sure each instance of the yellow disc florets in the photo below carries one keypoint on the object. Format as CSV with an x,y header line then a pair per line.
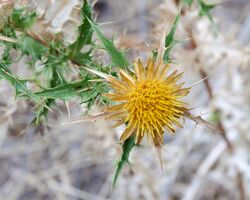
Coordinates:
x,y
148,102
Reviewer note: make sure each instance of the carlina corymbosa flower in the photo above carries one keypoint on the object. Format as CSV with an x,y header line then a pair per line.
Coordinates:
x,y
148,101
147,98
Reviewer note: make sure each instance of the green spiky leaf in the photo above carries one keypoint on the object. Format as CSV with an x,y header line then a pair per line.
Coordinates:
x,y
82,58
85,33
205,10
118,57
55,60
127,146
22,20
17,83
32,48
65,91
42,111
170,41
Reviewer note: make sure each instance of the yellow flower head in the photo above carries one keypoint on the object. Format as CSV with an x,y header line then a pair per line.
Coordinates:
x,y
148,101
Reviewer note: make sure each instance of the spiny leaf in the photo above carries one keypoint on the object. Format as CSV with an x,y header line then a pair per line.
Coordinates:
x,y
65,91
118,57
205,8
55,60
170,41
94,92
126,149
18,84
84,31
6,56
22,20
82,58
205,11
42,111
9,32
32,48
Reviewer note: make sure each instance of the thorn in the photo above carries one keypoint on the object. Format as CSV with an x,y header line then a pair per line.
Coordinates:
x,y
159,155
105,76
67,106
86,118
107,23
195,83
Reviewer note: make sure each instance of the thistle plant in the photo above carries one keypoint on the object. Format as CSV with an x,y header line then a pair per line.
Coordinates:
x,y
145,98
142,95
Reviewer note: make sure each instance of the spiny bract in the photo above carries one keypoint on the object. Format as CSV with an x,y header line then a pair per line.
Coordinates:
x,y
148,101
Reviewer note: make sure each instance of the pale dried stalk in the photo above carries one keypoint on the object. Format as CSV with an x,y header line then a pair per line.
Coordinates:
x,y
230,147
202,171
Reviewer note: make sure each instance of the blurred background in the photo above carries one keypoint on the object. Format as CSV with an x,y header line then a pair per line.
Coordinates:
x,y
77,161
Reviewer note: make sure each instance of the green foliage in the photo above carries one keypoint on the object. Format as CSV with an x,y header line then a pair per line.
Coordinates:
x,y
85,32
170,40
127,146
53,61
84,38
188,2
41,111
118,58
32,48
205,10
65,91
83,58
94,93
21,19
8,31
17,83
